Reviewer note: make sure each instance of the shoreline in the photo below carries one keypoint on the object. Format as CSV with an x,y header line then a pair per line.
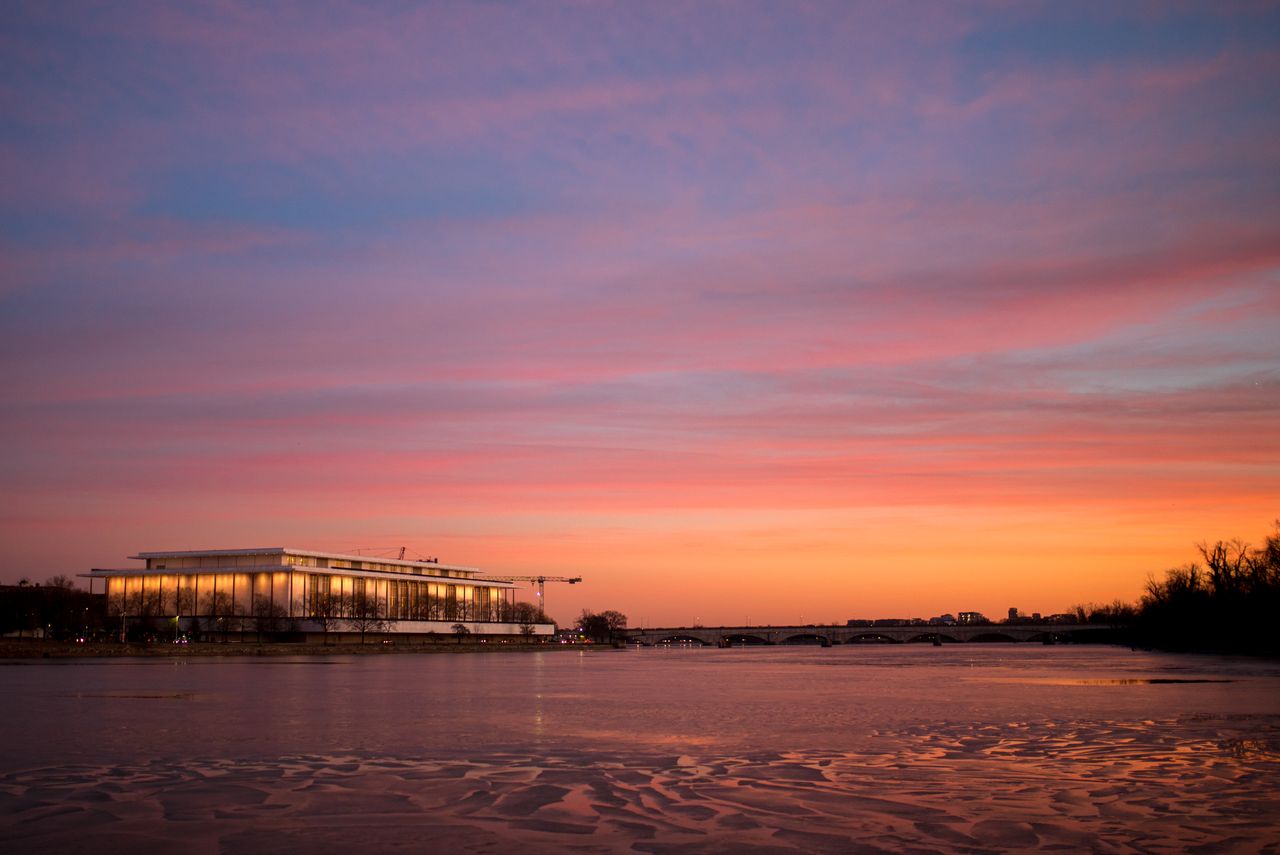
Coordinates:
x,y
39,649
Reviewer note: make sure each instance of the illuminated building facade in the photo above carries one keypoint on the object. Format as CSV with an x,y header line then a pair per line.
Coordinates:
x,y
301,592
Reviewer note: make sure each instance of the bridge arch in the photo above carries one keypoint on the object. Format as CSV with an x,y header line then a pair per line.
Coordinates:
x,y
872,638
807,638
930,637
681,641
991,637
743,639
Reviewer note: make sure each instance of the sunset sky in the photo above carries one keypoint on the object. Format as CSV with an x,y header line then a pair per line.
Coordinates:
x,y
767,312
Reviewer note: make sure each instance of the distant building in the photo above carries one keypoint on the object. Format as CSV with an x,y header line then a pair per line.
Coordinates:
x,y
943,620
970,618
304,593
1013,613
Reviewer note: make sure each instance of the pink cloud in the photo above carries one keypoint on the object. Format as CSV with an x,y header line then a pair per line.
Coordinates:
x,y
761,303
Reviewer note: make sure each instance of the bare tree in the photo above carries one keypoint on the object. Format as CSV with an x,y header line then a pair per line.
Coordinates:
x,y
527,616
1226,562
602,626
152,604
186,603
615,620
328,610
1230,600
224,611
460,631
268,616
425,606
368,615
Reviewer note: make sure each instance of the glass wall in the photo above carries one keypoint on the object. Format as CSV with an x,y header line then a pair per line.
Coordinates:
x,y
269,596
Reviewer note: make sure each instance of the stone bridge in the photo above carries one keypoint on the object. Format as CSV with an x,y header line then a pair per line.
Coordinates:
x,y
825,636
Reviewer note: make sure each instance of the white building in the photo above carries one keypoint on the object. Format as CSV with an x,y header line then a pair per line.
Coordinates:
x,y
276,590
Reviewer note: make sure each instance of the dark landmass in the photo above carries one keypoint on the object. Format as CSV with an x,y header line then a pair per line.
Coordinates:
x,y
1226,604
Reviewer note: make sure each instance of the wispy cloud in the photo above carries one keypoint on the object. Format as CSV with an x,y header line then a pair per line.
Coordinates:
x,y
697,291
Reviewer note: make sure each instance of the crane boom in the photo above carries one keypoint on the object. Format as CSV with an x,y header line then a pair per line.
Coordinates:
x,y
539,581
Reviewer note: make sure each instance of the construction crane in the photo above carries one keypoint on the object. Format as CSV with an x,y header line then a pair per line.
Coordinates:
x,y
539,581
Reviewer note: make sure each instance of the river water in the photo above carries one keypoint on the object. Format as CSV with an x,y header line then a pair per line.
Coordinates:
x,y
964,748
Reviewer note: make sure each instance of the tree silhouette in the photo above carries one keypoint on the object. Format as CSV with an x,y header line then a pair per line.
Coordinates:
x,y
1227,603
527,616
368,615
328,610
603,626
268,617
225,612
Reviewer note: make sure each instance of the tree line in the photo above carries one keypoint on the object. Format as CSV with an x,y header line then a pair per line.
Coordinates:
x,y
57,609
1221,603
1224,602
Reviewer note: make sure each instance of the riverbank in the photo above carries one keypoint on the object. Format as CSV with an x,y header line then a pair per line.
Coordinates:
x,y
38,649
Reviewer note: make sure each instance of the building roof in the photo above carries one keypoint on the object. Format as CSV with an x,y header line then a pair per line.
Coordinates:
x,y
372,566
474,581
309,553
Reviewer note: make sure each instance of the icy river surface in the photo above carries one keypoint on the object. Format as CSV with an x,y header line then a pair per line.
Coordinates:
x,y
964,748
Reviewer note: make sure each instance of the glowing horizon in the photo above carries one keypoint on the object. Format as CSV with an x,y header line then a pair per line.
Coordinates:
x,y
738,312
